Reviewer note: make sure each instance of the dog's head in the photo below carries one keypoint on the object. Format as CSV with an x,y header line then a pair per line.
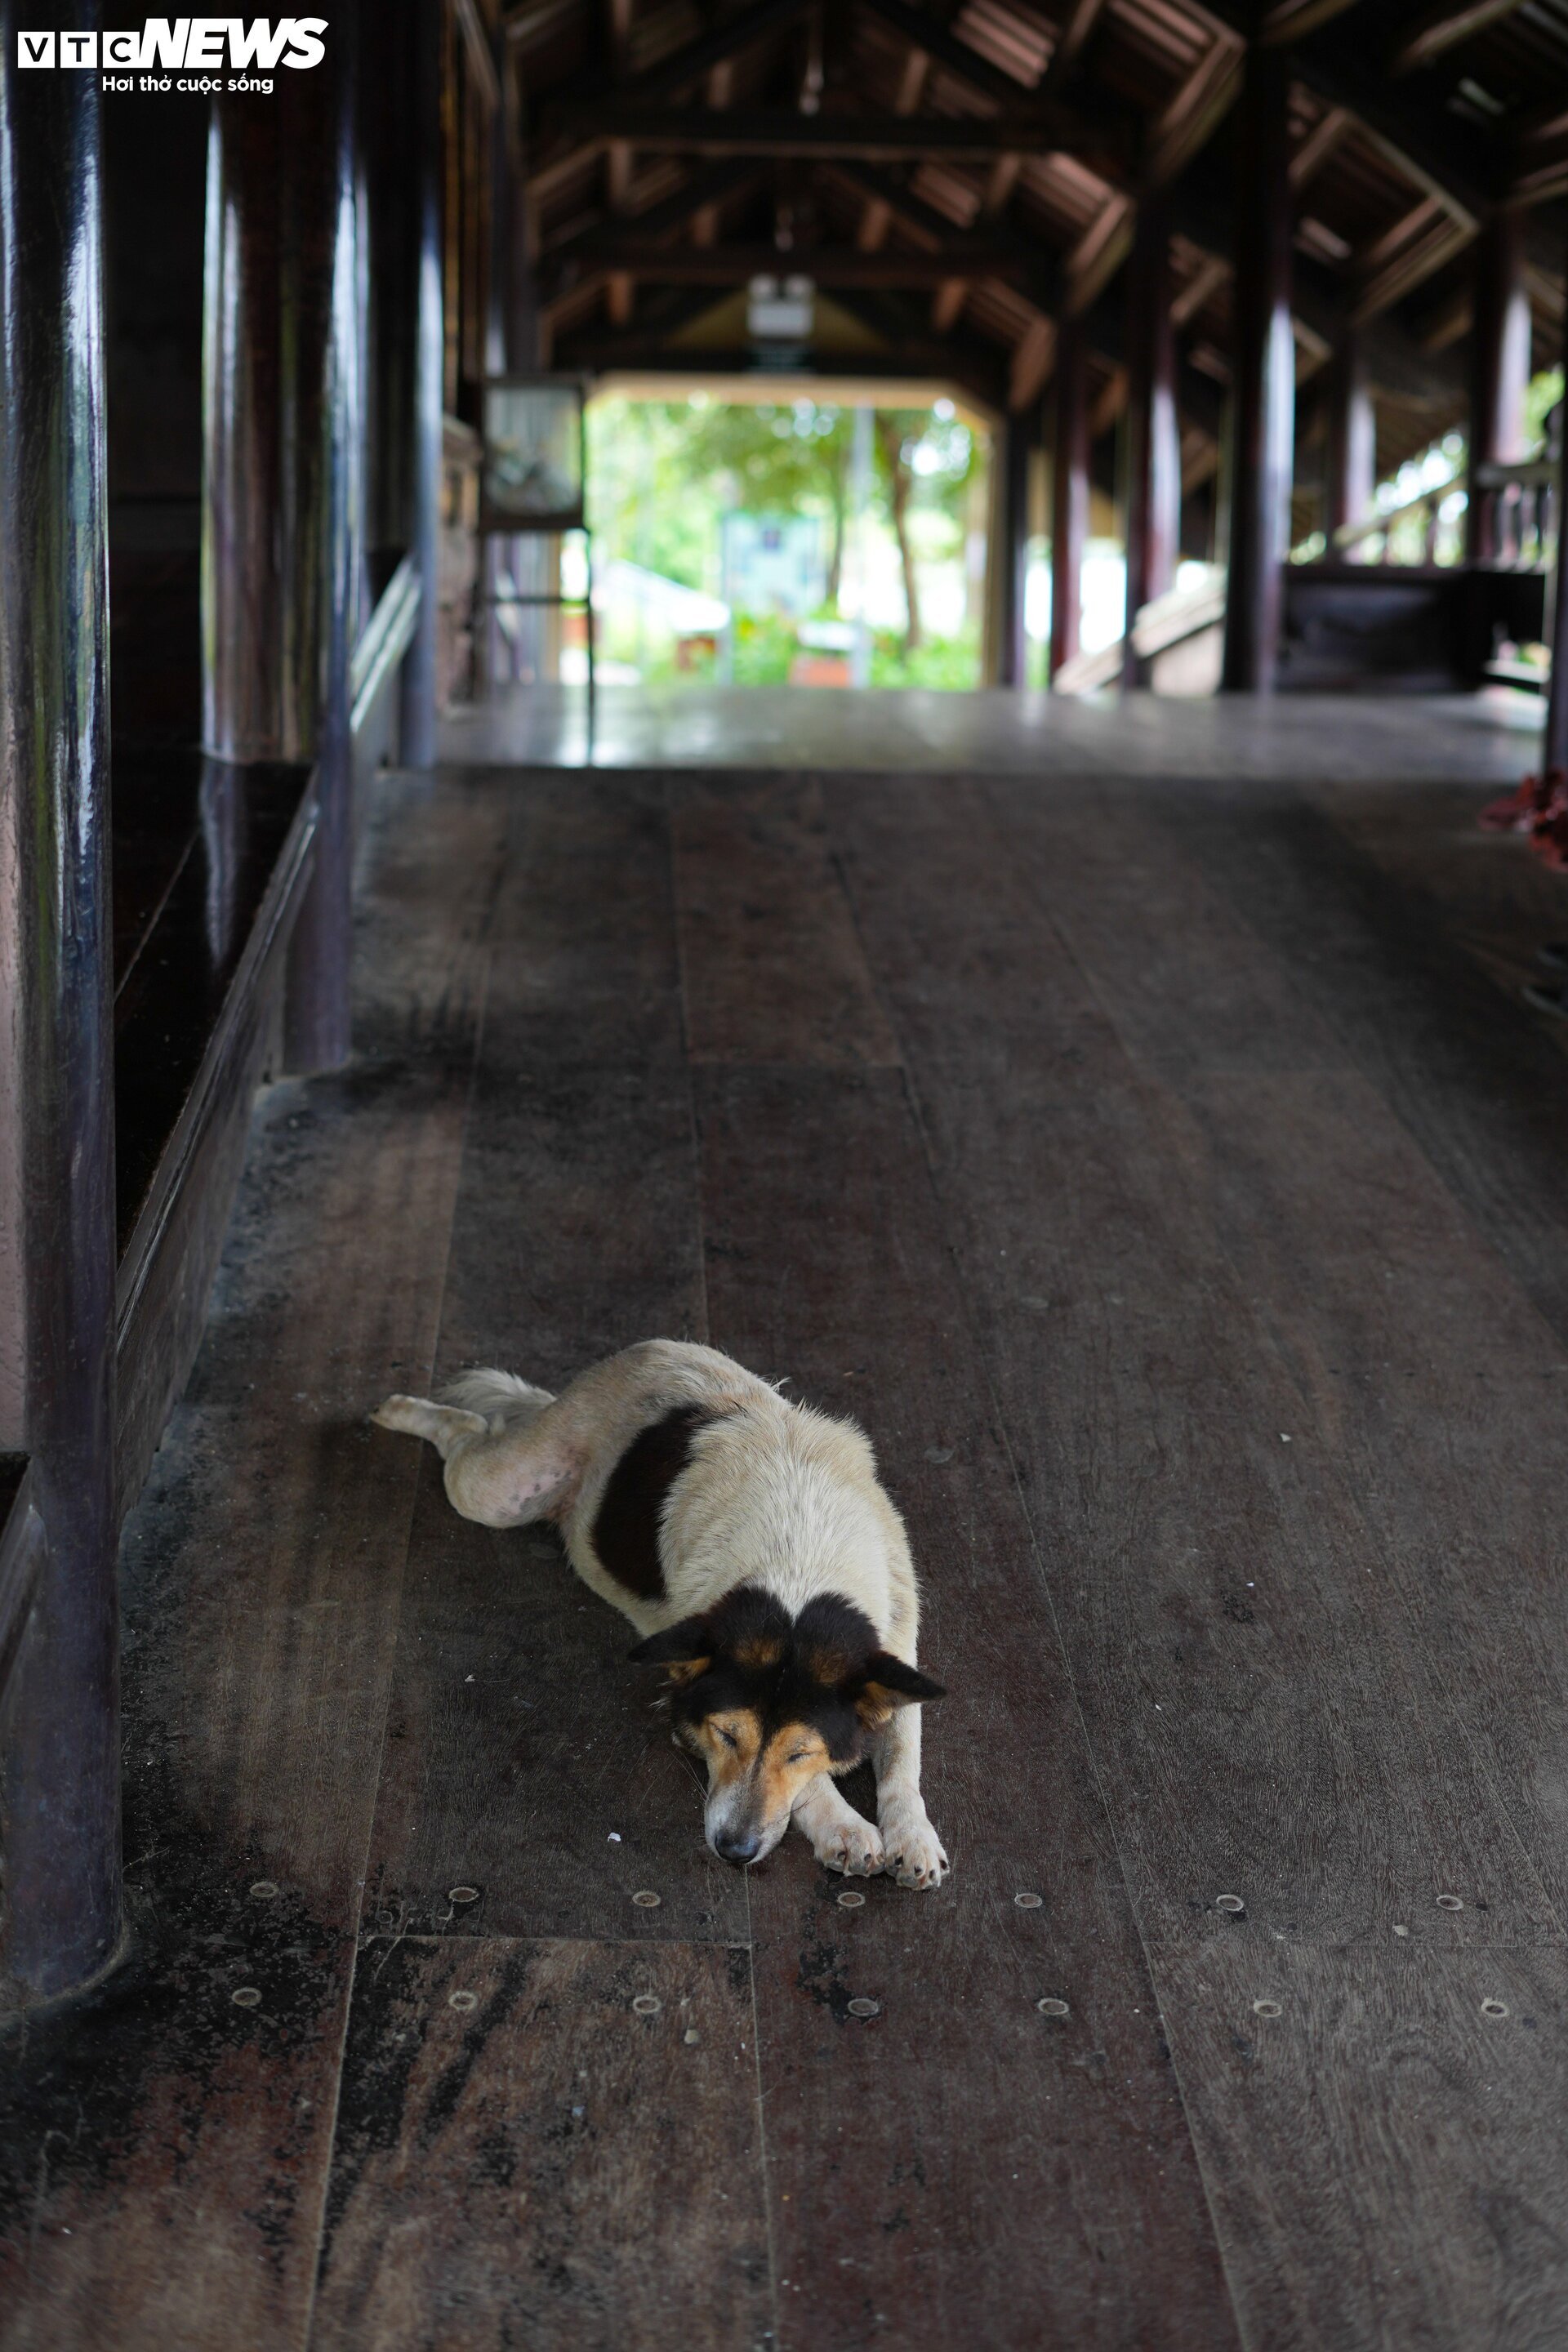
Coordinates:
x,y
767,1701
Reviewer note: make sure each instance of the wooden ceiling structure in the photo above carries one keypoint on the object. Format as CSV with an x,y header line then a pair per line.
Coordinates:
x,y
961,180
964,182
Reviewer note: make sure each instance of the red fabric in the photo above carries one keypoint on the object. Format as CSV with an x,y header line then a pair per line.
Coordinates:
x,y
1522,811
1548,833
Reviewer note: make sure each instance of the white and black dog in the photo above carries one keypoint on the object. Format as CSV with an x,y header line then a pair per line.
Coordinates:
x,y
748,1542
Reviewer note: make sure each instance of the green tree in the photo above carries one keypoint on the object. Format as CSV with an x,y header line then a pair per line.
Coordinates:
x,y
926,455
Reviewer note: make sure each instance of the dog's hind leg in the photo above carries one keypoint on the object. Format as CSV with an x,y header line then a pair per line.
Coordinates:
x,y
443,1424
841,1839
503,1475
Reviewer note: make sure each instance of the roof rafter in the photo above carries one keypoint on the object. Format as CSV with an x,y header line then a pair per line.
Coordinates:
x,y
869,137
730,265
710,187
1444,27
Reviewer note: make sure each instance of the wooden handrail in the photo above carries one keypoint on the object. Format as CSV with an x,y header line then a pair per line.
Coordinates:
x,y
1351,534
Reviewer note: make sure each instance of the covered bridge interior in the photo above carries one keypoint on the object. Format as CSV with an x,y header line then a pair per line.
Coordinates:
x,y
1143,1113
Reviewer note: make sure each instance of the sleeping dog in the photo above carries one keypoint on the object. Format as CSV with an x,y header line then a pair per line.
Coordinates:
x,y
750,1543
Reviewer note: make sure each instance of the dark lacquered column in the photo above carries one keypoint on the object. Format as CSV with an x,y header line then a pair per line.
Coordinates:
x,y
419,686
283,490
1264,399
1554,749
244,523
1153,438
1499,366
1351,463
1012,553
1069,491
320,289
61,1734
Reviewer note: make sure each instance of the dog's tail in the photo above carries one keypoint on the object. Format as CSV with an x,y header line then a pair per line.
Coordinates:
x,y
504,1401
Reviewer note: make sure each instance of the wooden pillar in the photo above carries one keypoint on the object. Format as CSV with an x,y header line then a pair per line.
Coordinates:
x,y
1013,549
1350,478
1499,366
1069,491
1265,378
1154,435
60,1798
419,686
1555,749
282,522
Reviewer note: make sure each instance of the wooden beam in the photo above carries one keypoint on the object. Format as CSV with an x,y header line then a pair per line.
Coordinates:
x,y
1099,254
476,50
1082,17
536,20
1031,367
947,308
1433,149
1036,269
726,38
709,187
834,266
1319,144
1193,115
1000,186
1409,267
1290,20
1372,256
904,354
1110,405
856,138
876,214
618,36
1443,28
1207,279
929,34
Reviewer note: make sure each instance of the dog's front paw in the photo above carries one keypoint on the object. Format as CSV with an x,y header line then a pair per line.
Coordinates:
x,y
852,1846
912,1850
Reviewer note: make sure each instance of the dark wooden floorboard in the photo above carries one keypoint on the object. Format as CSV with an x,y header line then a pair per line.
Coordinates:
x,y
958,2168
518,1737
1140,1145
773,970
1385,2159
1412,1346
164,2149
1478,1081
1266,1713
527,2158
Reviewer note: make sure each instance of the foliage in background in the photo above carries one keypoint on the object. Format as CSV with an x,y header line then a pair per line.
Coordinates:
x,y
1545,391
662,475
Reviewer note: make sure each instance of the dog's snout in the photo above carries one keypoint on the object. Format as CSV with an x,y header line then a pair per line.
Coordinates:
x,y
738,1845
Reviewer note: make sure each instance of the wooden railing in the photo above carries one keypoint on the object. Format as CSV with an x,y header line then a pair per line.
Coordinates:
x,y
1411,533
1518,524
1518,518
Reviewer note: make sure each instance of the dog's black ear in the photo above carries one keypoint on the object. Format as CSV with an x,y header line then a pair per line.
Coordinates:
x,y
889,1682
678,1645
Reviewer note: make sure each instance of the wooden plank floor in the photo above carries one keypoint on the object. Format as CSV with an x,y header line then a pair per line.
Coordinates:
x,y
1161,1165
